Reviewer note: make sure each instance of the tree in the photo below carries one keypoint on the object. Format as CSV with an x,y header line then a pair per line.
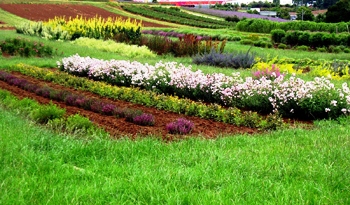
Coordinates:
x,y
320,18
284,14
276,2
305,14
328,3
324,4
339,12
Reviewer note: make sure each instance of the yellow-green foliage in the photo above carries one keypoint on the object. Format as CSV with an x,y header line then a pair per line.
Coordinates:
x,y
331,70
335,70
96,27
287,68
132,51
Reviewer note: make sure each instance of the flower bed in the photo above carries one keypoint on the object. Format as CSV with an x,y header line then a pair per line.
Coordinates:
x,y
151,99
81,101
291,97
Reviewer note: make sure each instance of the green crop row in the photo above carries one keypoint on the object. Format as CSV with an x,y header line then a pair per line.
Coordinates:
x,y
265,26
190,20
177,12
51,115
315,40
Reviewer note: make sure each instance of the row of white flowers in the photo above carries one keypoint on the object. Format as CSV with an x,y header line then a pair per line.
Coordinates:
x,y
284,95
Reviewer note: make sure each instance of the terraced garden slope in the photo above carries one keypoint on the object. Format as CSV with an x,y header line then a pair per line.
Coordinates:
x,y
44,12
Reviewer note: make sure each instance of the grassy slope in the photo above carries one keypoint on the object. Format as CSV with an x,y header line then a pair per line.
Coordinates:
x,y
285,167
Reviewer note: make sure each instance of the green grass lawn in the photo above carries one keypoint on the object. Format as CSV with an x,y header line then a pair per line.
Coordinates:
x,y
284,167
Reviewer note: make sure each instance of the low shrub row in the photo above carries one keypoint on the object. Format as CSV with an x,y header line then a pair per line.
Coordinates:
x,y
81,101
25,48
259,43
176,16
304,38
266,26
52,115
186,45
131,51
149,98
201,34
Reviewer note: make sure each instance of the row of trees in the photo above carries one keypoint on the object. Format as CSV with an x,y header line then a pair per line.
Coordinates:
x,y
337,13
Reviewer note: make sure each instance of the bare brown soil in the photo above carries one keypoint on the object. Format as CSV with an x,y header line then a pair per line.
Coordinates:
x,y
44,12
119,127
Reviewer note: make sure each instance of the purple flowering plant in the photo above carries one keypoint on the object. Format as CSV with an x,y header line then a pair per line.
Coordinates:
x,y
180,126
144,119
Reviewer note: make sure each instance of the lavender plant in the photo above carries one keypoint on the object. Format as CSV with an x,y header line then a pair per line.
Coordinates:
x,y
230,60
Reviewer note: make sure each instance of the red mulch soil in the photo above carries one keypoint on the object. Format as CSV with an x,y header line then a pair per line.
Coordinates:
x,y
44,12
119,127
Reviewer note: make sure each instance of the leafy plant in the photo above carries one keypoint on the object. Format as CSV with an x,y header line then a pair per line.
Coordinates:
x,y
302,48
282,46
25,48
48,112
78,122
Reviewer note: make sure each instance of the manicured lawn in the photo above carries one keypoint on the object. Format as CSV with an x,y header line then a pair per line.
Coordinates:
x,y
284,167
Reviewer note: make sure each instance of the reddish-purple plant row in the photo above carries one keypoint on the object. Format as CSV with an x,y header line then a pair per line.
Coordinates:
x,y
81,101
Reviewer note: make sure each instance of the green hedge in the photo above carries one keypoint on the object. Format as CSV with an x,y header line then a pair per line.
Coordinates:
x,y
176,16
315,40
266,26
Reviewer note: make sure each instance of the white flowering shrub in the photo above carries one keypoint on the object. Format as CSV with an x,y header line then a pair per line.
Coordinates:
x,y
291,97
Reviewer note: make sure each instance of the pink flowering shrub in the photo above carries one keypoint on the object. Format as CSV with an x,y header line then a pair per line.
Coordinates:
x,y
269,74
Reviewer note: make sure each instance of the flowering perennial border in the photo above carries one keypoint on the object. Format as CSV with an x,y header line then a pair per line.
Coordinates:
x,y
291,97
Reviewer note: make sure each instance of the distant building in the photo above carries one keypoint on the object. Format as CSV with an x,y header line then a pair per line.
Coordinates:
x,y
268,13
